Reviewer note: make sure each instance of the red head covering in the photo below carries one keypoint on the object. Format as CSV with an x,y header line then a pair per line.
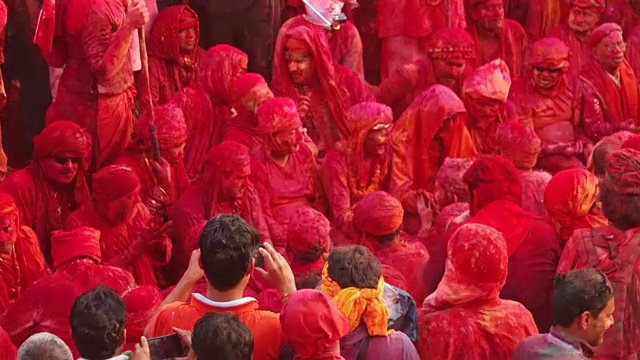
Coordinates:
x,y
449,43
82,242
476,267
632,143
114,182
450,175
314,41
7,204
247,90
550,53
599,5
394,277
224,160
518,143
569,197
313,325
171,128
378,214
141,303
493,178
278,114
491,81
63,138
307,238
601,32
163,40
221,65
623,171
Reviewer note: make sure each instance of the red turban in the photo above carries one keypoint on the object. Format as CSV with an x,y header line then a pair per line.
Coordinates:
x,y
114,182
518,143
307,234
493,178
632,143
450,43
585,4
7,204
601,32
377,214
313,325
476,267
171,128
63,138
550,53
82,242
224,160
450,174
278,114
491,80
623,171
247,90
141,303
569,197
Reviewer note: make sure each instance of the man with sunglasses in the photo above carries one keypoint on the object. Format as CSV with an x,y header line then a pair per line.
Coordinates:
x,y
543,99
583,307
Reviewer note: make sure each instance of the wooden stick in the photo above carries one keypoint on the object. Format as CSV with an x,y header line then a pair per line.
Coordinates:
x,y
144,60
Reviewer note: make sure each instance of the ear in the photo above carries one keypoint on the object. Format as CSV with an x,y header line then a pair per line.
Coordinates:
x,y
583,320
252,266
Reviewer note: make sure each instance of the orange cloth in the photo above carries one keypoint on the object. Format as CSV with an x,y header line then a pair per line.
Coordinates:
x,y
569,198
359,305
264,325
424,136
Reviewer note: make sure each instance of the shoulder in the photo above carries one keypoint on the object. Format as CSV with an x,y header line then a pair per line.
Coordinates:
x,y
18,182
530,348
515,28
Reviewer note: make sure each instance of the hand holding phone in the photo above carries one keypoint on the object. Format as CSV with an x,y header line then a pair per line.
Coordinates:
x,y
167,347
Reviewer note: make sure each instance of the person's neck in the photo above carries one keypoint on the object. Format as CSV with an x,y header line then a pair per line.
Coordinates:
x,y
225,296
572,332
613,71
487,34
581,35
280,159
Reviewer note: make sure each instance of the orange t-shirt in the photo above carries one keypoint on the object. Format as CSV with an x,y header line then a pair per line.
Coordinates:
x,y
265,325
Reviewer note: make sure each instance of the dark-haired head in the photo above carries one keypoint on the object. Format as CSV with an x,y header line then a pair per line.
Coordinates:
x,y
354,266
97,323
228,245
222,336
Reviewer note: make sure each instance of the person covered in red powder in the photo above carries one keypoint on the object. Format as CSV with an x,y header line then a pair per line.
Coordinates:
x,y
519,143
607,88
207,104
323,91
404,28
283,169
465,318
54,184
174,55
570,199
96,90
308,242
21,261
141,304
377,219
131,237
222,188
496,37
485,93
532,245
161,182
544,100
344,40
450,53
613,250
7,349
248,92
584,16
46,305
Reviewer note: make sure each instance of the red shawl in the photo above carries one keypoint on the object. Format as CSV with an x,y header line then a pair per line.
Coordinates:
x,y
7,349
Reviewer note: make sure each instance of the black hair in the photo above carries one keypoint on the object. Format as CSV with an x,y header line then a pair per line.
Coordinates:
x,y
578,291
354,266
221,336
227,244
622,210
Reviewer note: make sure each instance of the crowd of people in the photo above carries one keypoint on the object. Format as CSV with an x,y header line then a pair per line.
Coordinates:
x,y
320,179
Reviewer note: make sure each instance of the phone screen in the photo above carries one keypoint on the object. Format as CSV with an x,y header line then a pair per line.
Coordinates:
x,y
166,347
259,258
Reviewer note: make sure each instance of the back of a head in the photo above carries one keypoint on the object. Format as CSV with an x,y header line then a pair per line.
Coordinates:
x,y
492,178
378,215
228,244
222,336
354,266
579,291
97,323
43,346
620,191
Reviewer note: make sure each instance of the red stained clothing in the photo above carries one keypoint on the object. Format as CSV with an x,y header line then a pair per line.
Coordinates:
x,y
542,15
345,44
265,325
465,318
614,253
169,69
633,50
338,89
408,257
623,13
47,304
7,350
534,183
578,48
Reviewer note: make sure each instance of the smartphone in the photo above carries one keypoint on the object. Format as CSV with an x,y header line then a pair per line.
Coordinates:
x,y
259,258
166,347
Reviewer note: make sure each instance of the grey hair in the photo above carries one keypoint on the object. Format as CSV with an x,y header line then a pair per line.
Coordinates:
x,y
44,346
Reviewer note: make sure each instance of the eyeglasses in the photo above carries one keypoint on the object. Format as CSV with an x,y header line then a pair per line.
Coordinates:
x,y
63,160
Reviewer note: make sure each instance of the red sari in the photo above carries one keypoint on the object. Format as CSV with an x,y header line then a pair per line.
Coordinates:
x,y
43,206
465,318
207,104
205,199
46,305
25,263
169,69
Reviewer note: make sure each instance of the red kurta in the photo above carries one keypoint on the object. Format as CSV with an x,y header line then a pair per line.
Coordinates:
x,y
512,46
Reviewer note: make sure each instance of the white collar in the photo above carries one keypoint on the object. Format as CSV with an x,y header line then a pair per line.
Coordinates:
x,y
224,305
